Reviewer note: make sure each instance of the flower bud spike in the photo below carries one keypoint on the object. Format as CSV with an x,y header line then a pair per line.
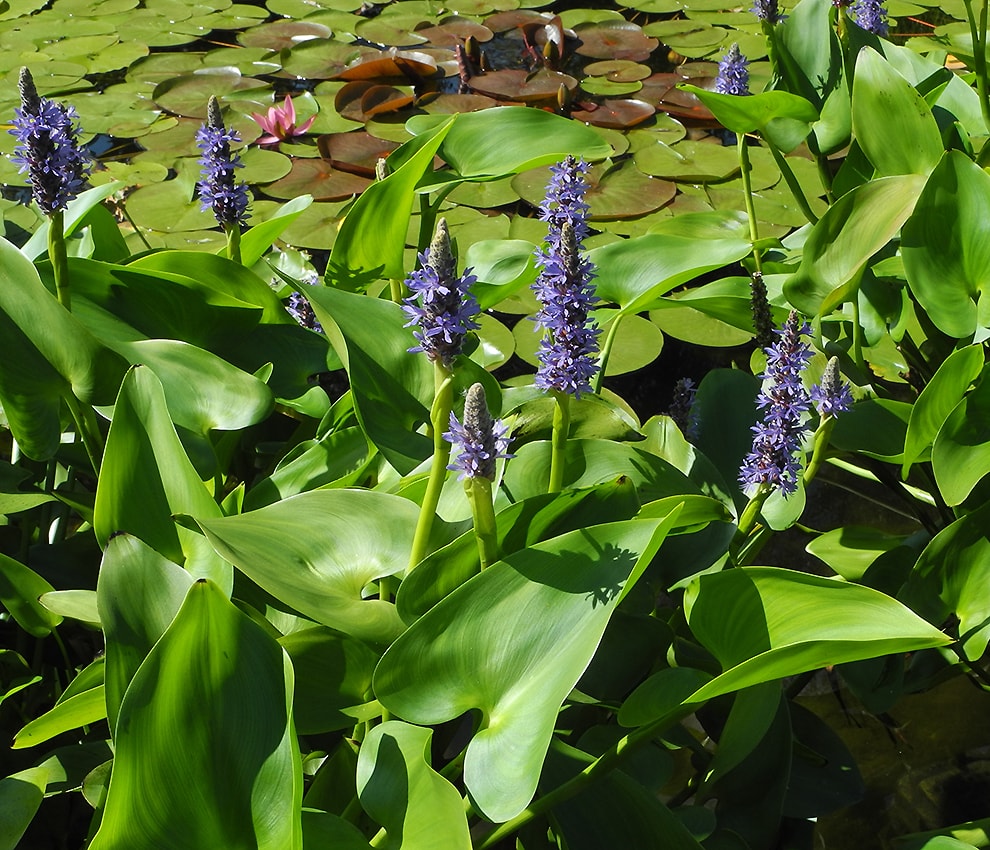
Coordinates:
x,y
481,440
832,396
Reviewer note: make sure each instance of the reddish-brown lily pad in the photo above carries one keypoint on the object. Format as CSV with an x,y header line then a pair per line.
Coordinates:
x,y
614,114
381,99
613,39
393,67
318,178
357,152
450,104
515,18
541,86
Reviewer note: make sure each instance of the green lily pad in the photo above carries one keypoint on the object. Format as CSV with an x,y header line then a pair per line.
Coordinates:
x,y
280,35
688,161
189,95
609,88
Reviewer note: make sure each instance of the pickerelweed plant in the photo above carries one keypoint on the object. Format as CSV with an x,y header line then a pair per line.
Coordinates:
x,y
227,530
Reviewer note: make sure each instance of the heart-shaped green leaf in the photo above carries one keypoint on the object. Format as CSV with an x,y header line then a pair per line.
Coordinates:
x,y
961,451
419,809
512,642
217,683
317,551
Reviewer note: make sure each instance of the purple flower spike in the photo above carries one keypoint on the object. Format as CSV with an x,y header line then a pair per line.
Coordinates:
x,y
871,16
48,148
480,440
733,75
302,311
569,348
832,396
767,10
218,191
441,304
777,438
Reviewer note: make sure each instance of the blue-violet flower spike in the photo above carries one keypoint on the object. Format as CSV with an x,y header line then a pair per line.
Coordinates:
x,y
871,16
767,10
48,148
441,304
832,396
480,440
569,348
302,311
777,438
733,75
218,190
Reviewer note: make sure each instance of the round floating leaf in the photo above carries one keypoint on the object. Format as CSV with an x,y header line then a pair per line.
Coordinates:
x,y
453,30
688,161
485,647
615,114
168,207
318,178
610,88
262,166
189,95
317,551
280,35
316,227
516,84
618,70
233,783
355,152
613,39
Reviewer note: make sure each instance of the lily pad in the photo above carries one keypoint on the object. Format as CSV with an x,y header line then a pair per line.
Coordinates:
x,y
615,114
688,161
357,152
280,35
318,178
189,95
519,85
618,70
615,39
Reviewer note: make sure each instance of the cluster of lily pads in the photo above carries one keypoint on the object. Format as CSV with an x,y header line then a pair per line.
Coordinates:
x,y
288,560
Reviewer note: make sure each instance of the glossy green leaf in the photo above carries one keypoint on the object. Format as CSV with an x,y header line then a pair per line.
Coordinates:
x,y
138,594
757,112
20,797
660,695
333,680
20,587
875,427
74,604
512,642
384,208
635,272
954,565
941,394
80,710
236,779
256,241
753,710
508,140
202,391
521,524
147,478
764,623
961,451
850,550
882,99
419,809
48,353
946,258
853,229
591,462
76,211
322,829
392,387
317,551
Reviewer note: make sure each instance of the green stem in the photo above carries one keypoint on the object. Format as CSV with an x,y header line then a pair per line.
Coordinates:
x,y
748,521
87,429
857,332
746,169
395,289
443,401
479,493
792,182
824,171
558,440
606,762
233,232
606,352
978,32
59,258
123,208
820,448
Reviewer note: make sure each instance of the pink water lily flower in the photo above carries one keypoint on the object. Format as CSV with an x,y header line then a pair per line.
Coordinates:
x,y
280,123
